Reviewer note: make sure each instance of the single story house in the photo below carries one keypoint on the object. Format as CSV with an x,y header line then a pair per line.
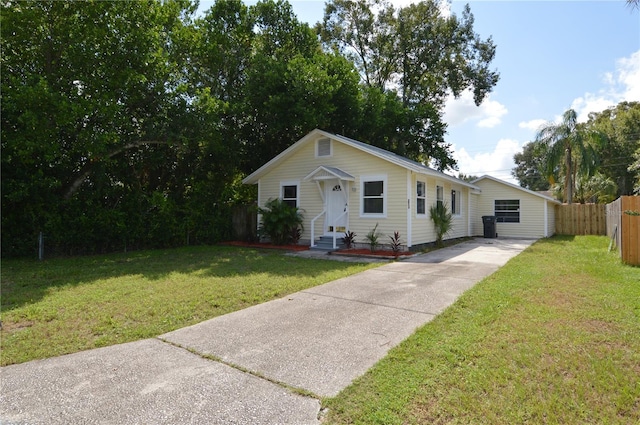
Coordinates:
x,y
519,212
341,184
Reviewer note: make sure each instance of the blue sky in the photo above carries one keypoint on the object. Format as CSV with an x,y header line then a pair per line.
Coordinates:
x,y
551,56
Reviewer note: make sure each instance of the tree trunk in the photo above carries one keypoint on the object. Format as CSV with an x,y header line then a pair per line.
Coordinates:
x,y
88,167
568,178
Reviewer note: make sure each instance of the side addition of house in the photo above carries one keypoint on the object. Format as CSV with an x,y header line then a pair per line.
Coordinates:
x,y
519,212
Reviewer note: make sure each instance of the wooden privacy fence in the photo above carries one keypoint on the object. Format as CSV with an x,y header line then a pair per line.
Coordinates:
x,y
245,222
581,219
623,227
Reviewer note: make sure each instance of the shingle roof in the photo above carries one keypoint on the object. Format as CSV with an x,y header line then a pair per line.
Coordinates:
x,y
370,149
330,171
538,194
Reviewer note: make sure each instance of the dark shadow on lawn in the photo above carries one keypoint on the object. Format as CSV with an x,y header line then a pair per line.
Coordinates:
x,y
27,281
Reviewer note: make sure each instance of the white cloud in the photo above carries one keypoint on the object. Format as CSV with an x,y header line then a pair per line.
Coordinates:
x,y
494,111
629,76
623,84
498,163
458,111
533,125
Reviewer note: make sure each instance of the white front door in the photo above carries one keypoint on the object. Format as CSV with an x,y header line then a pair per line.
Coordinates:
x,y
336,200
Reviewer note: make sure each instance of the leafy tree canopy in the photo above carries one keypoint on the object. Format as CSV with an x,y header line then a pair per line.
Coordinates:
x,y
620,126
130,124
596,160
530,167
418,55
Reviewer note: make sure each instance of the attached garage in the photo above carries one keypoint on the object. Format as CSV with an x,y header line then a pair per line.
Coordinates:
x,y
519,212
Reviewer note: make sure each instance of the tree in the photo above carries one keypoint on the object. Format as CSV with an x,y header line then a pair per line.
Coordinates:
x,y
418,55
82,89
530,167
569,146
467,177
367,39
595,189
621,127
101,135
635,168
272,79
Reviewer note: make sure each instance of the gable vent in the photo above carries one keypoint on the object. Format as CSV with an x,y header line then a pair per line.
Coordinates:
x,y
324,147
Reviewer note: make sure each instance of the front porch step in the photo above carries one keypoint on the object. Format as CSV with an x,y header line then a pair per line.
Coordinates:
x,y
325,243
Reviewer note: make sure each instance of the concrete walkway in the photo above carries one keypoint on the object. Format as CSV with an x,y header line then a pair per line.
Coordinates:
x,y
244,367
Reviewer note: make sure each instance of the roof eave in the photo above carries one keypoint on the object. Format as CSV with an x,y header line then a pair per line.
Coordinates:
x,y
531,192
254,177
409,166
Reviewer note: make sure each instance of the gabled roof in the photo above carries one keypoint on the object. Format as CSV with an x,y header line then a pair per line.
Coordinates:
x,y
324,172
531,192
369,149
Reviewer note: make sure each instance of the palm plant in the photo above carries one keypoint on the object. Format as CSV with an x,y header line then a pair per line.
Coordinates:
x,y
373,238
570,147
442,219
281,222
597,189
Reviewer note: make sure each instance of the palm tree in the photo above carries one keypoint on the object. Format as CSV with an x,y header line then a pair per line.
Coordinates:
x,y
570,147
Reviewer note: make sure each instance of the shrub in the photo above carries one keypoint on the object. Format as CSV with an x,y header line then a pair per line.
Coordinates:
x,y
396,244
442,219
281,222
349,239
295,235
373,238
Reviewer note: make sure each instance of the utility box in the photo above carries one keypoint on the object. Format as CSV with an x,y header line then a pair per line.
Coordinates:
x,y
489,223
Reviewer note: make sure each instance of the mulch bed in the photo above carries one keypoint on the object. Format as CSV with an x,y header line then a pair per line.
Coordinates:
x,y
266,245
353,252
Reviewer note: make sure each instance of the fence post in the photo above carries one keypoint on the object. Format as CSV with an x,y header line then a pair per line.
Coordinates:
x,y
41,246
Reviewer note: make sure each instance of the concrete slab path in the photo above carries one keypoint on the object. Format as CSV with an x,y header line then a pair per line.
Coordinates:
x,y
244,367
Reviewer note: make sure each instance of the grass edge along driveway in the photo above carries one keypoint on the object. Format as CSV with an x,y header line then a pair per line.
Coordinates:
x,y
65,305
552,337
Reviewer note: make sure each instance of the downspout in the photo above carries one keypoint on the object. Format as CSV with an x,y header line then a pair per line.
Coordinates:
x,y
258,216
469,212
409,223
546,219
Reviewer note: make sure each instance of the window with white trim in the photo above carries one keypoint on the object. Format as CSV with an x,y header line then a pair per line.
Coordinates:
x,y
440,195
373,196
455,202
507,210
421,198
289,193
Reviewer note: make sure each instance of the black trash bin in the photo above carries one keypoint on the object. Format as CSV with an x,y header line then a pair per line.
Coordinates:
x,y
489,222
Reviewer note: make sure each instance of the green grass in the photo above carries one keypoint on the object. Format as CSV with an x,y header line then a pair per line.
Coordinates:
x,y
62,306
552,337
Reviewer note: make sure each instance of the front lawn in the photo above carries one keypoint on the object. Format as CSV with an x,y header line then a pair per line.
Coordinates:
x,y
552,337
61,306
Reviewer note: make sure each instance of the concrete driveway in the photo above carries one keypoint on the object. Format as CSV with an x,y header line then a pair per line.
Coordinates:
x,y
245,367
